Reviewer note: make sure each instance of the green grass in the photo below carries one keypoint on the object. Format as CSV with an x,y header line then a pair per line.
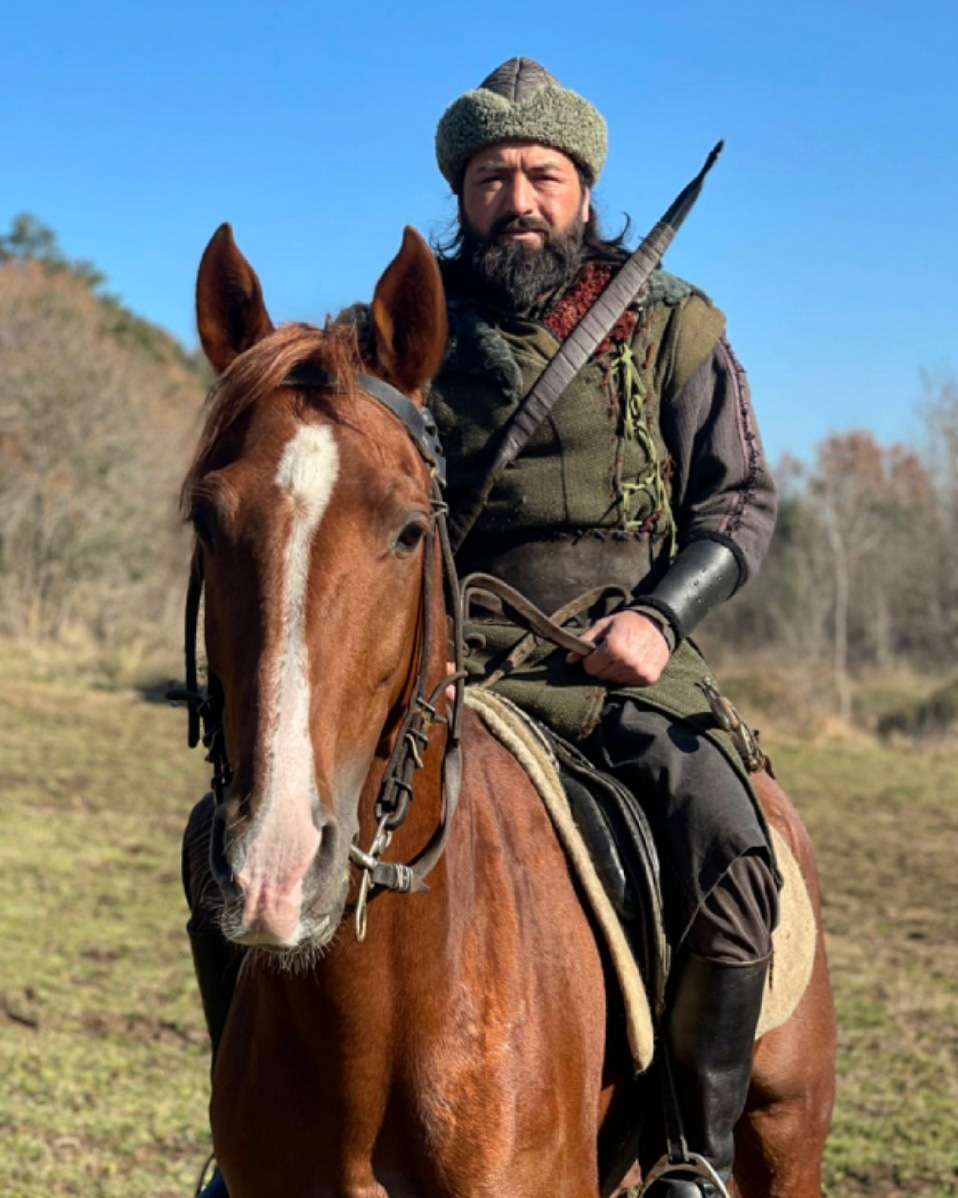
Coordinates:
x,y
884,821
102,1045
102,1049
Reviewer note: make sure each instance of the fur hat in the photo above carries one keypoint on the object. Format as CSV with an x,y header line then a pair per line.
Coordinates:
x,y
520,101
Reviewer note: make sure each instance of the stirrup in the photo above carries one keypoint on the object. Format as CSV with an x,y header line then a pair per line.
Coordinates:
x,y
694,1164
210,1185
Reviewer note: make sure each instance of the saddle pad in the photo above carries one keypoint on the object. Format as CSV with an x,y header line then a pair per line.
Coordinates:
x,y
520,736
793,940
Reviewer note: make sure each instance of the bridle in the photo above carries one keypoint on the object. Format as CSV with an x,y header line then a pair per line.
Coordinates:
x,y
205,709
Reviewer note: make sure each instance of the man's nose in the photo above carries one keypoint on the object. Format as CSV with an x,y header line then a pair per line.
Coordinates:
x,y
520,195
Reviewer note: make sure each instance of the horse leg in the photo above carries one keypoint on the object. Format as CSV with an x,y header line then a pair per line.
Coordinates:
x,y
780,1140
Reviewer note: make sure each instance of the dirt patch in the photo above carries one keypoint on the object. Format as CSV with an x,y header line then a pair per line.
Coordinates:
x,y
142,1028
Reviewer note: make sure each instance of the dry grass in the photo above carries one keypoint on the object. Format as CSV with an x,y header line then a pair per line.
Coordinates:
x,y
884,823
102,1048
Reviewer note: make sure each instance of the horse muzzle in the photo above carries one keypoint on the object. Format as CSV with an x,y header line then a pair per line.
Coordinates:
x,y
284,879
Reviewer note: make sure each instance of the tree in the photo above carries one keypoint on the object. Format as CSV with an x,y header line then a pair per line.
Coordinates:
x,y
31,240
94,432
854,573
940,415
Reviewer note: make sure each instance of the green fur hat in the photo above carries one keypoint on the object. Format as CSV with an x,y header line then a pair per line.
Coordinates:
x,y
520,101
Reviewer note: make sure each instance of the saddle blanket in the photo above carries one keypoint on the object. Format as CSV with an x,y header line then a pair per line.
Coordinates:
x,y
793,940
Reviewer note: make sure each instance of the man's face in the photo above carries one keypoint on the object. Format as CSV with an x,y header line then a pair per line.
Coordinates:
x,y
523,214
521,193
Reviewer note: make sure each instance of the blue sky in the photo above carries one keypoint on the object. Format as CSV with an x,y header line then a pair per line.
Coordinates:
x,y
827,232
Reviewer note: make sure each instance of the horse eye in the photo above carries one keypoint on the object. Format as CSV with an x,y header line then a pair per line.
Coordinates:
x,y
410,535
204,522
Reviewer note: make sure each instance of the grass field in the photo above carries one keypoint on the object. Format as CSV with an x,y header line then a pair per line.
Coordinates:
x,y
102,1048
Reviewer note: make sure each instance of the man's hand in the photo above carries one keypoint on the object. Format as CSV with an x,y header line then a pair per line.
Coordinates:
x,y
631,650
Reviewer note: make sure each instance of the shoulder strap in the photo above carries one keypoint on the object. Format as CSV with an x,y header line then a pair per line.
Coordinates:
x,y
629,284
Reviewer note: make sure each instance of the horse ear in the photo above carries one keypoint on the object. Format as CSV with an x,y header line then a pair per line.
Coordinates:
x,y
409,316
230,313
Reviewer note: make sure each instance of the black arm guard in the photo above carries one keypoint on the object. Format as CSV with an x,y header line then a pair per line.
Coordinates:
x,y
704,574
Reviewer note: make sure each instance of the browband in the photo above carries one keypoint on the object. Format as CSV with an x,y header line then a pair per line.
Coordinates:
x,y
418,422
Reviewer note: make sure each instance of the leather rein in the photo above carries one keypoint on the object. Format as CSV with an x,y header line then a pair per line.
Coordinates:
x,y
205,709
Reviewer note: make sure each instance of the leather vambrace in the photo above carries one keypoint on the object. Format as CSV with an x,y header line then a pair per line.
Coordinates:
x,y
704,574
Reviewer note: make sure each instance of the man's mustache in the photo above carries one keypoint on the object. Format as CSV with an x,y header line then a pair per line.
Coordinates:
x,y
519,224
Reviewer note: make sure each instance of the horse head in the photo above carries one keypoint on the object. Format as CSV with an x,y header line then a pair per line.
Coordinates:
x,y
312,510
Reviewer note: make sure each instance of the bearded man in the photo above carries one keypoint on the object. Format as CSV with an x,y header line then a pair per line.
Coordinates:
x,y
647,474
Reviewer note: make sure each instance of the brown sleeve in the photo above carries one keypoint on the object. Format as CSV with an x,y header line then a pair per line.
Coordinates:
x,y
722,488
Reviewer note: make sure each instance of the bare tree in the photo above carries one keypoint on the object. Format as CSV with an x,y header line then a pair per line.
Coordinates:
x,y
93,435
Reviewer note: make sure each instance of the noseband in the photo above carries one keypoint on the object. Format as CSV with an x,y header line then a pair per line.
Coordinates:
x,y
205,709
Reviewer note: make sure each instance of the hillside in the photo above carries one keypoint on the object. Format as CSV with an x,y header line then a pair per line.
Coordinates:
x,y
98,410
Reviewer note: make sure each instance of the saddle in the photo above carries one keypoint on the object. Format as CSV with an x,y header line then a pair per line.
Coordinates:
x,y
609,846
613,860
617,834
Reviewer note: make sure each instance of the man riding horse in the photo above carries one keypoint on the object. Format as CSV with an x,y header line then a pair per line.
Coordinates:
x,y
648,473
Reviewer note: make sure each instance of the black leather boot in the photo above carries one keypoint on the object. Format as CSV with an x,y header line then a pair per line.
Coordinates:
x,y
217,964
215,960
711,1041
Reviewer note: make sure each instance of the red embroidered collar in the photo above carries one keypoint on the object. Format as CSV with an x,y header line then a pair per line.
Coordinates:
x,y
592,281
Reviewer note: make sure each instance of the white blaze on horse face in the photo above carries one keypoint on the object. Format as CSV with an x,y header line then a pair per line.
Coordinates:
x,y
284,839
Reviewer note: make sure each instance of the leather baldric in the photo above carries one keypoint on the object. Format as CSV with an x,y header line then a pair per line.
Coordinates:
x,y
629,285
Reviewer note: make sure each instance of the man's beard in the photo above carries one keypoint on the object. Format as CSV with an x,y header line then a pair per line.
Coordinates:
x,y
517,276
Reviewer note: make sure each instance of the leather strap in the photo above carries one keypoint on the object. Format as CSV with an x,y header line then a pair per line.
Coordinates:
x,y
541,627
629,284
418,421
535,619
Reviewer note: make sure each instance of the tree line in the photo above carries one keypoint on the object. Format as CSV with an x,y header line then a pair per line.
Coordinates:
x,y
99,409
860,573
97,416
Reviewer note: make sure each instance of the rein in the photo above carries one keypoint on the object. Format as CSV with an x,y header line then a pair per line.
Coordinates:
x,y
205,709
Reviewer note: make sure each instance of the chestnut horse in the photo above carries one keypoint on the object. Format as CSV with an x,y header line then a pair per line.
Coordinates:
x,y
461,1049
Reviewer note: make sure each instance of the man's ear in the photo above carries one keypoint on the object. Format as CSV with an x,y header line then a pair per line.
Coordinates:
x,y
230,313
409,316
586,204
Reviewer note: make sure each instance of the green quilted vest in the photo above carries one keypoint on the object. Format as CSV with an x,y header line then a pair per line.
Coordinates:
x,y
598,463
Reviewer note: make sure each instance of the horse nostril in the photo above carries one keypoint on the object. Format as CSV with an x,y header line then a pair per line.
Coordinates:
x,y
220,866
320,817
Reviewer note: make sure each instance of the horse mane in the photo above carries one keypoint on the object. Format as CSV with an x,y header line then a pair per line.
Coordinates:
x,y
260,370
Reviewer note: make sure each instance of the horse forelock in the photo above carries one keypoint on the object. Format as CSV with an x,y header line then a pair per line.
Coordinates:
x,y
259,371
